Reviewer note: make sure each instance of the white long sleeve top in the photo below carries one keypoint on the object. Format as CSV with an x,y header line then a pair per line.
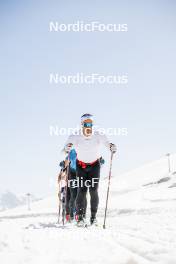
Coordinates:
x,y
88,148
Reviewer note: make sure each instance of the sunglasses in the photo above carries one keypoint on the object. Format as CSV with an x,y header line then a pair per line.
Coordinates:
x,y
87,125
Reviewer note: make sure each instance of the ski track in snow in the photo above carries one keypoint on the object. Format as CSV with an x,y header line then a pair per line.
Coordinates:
x,y
129,239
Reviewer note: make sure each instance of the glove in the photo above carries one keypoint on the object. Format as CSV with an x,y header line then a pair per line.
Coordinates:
x,y
102,161
61,164
113,148
68,147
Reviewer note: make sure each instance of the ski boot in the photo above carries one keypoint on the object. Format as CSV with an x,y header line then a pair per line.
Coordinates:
x,y
67,218
93,221
81,222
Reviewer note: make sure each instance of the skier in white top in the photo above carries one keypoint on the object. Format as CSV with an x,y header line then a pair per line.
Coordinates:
x,y
87,145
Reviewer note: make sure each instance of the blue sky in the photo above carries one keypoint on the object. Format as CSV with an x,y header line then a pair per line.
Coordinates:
x,y
29,105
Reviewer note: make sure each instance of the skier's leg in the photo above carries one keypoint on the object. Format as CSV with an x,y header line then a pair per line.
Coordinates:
x,y
94,174
85,207
82,191
73,193
67,201
80,200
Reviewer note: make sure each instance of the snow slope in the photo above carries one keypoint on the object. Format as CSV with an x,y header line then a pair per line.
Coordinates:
x,y
140,225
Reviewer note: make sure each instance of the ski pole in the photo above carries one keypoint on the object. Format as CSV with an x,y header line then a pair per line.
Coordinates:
x,y
107,196
66,190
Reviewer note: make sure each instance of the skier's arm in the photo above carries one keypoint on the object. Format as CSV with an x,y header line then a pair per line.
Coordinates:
x,y
59,177
104,140
69,143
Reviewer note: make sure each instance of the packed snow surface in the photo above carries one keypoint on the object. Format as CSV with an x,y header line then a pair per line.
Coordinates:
x,y
140,226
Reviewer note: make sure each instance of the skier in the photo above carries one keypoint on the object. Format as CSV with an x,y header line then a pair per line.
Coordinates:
x,y
69,165
87,145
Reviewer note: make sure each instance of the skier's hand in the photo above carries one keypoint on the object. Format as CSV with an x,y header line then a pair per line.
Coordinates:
x,y
61,164
113,148
68,147
102,161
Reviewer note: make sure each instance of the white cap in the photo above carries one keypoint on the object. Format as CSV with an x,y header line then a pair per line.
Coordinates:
x,y
85,117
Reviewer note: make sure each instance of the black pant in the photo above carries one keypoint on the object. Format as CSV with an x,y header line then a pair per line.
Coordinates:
x,y
88,178
71,194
